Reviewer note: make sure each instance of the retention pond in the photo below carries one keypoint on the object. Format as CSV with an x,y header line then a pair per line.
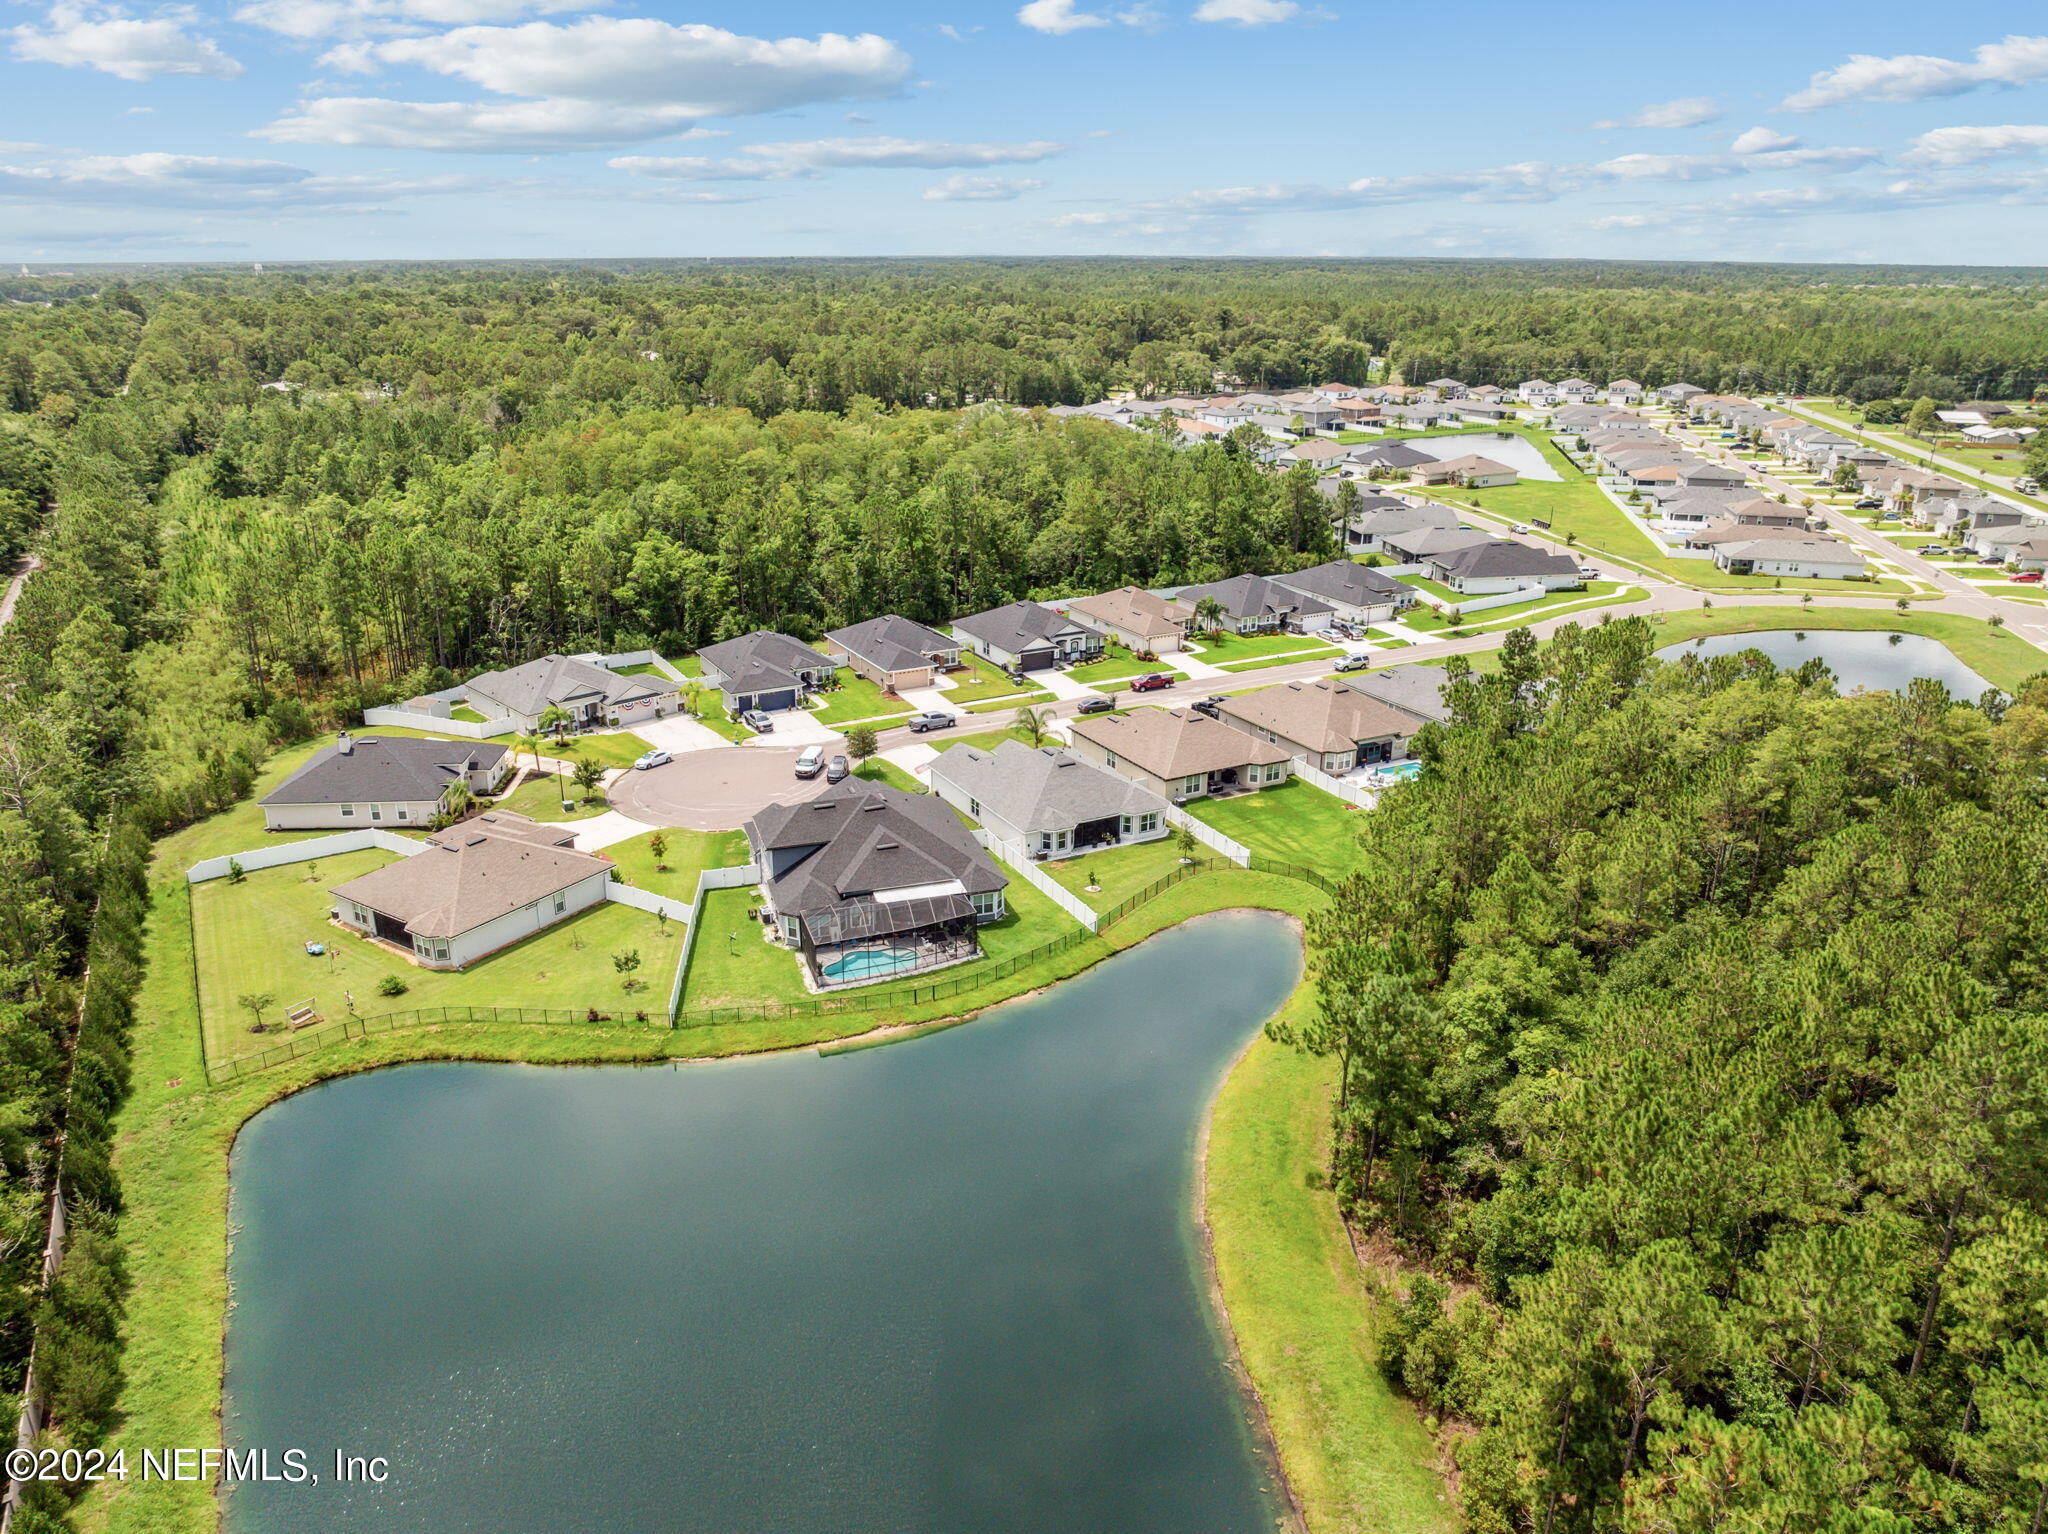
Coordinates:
x,y
952,1285
1857,657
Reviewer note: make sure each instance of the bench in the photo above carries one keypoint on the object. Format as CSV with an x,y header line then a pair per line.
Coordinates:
x,y
301,1016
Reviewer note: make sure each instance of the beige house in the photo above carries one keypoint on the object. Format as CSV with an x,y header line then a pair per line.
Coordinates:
x,y
1327,724
1135,617
473,889
1179,754
1472,471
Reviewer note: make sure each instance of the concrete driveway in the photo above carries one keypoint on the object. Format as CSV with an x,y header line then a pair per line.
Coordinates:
x,y
715,790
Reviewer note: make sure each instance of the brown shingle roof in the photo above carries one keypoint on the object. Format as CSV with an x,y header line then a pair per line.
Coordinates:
x,y
1176,742
1135,609
1324,716
472,872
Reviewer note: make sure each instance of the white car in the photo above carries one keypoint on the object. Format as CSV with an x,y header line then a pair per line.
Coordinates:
x,y
652,759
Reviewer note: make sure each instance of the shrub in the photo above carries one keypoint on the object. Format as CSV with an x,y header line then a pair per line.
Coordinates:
x,y
391,985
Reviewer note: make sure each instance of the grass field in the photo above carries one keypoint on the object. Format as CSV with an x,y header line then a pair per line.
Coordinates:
x,y
541,799
1227,649
1108,674
1293,821
875,770
858,698
1354,1452
249,939
981,681
687,854
613,748
1122,871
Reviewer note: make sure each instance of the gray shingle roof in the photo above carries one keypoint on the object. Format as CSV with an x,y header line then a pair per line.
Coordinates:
x,y
892,643
376,770
1343,580
762,661
1018,626
1253,596
870,839
1041,790
1505,557
1416,689
559,679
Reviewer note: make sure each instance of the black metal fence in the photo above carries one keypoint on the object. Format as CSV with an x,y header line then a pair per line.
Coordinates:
x,y
971,978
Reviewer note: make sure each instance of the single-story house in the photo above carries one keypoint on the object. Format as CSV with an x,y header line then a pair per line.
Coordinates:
x,y
375,781
1354,593
867,882
591,694
2031,553
1711,476
1376,520
1252,604
1388,455
1422,544
1046,801
2000,539
474,888
1177,753
1472,471
764,670
1485,411
1326,724
1028,636
1315,450
1414,689
1503,565
1728,530
1808,558
1136,618
894,653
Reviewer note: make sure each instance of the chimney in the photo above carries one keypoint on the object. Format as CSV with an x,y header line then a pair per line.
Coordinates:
x,y
345,745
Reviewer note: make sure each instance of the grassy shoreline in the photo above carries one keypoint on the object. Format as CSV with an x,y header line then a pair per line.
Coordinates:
x,y
2001,658
175,1139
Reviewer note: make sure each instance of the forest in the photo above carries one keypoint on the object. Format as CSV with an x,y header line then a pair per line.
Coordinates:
x,y
1692,1033
1624,896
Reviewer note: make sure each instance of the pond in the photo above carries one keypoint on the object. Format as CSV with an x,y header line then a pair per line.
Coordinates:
x,y
1518,453
1858,658
954,1284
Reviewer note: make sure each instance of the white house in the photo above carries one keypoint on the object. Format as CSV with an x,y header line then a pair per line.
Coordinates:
x,y
1045,801
399,783
1806,559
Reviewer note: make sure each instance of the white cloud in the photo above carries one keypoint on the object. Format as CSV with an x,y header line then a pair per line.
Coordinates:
x,y
1762,141
1903,195
1967,146
1685,112
1058,17
601,80
308,19
1918,76
209,182
1248,13
789,161
109,38
981,189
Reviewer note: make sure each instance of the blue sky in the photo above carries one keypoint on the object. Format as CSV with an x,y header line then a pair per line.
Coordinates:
x,y
361,129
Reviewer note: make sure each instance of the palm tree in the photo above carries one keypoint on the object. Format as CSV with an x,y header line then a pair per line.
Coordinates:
x,y
530,744
1031,725
555,720
1209,614
458,799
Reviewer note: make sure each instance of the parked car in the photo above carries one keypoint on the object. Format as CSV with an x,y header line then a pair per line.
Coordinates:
x,y
837,769
919,723
1095,706
1869,503
1210,706
1354,663
649,759
1519,527
1151,682
1992,559
2028,578
811,763
1589,572
758,722
1934,551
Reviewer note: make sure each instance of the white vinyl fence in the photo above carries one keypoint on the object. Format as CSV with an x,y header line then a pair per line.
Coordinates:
x,y
303,852
647,900
736,877
1019,862
1350,793
401,717
1236,851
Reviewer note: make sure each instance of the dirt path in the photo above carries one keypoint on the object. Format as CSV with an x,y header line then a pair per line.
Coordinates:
x,y
24,567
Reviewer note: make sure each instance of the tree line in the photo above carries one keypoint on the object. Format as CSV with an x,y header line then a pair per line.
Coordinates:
x,y
1692,1033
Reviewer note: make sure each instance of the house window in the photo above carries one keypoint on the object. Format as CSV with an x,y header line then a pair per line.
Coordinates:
x,y
376,812
973,809
402,814
1148,822
1191,785
348,812
789,930
1109,758
360,916
988,907
561,901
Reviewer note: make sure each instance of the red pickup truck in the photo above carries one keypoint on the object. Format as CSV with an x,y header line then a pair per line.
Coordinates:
x,y
1152,682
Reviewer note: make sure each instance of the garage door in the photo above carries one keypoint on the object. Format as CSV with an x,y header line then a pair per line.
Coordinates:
x,y
771,702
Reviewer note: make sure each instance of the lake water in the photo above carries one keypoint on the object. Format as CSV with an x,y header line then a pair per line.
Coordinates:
x,y
1858,658
951,1285
1518,453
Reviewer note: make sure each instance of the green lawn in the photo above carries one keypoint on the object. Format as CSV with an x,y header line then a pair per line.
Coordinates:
x,y
648,668
858,698
988,740
1292,821
466,714
1355,1453
541,799
1107,674
1122,871
1223,649
686,854
980,680
612,748
875,770
1316,652
733,964
249,939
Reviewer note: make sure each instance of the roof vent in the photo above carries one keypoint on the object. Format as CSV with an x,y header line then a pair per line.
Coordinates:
x,y
474,841
345,746
1062,761
887,846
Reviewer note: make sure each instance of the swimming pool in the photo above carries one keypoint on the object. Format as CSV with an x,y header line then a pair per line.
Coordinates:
x,y
1398,772
866,963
